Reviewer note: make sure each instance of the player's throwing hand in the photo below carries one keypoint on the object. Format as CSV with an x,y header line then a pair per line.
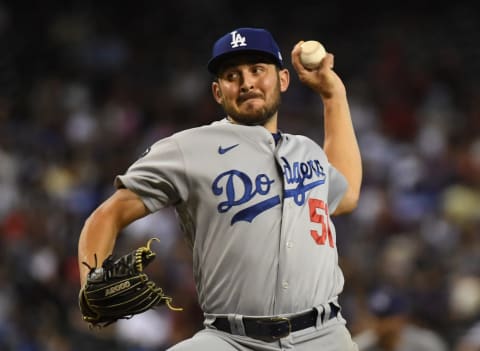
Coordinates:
x,y
322,80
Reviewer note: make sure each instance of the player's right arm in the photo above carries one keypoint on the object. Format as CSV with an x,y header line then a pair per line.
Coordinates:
x,y
101,228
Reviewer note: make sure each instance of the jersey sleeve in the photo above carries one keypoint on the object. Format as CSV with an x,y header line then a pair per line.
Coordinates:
x,y
338,187
158,176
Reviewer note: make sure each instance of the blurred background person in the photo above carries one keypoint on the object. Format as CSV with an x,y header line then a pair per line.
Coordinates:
x,y
390,327
470,341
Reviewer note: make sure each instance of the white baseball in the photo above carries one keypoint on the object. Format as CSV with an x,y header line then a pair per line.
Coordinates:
x,y
312,54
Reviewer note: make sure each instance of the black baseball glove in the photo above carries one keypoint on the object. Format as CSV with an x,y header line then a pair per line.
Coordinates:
x,y
120,289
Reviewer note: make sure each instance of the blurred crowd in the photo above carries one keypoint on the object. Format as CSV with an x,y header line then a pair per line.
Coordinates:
x,y
85,87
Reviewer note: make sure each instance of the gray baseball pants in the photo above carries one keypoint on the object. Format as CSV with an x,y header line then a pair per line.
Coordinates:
x,y
329,336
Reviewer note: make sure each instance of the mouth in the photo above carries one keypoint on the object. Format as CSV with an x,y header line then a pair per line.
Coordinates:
x,y
249,96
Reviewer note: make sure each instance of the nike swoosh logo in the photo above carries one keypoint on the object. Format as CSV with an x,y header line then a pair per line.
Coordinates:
x,y
223,150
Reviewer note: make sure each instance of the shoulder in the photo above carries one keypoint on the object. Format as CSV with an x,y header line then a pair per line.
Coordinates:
x,y
299,138
207,129
302,145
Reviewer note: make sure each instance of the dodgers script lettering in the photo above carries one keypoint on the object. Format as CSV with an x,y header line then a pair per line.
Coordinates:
x,y
239,188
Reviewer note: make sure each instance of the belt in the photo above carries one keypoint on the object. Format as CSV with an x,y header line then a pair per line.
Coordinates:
x,y
273,328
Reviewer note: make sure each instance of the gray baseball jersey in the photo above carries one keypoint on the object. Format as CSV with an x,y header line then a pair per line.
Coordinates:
x,y
256,215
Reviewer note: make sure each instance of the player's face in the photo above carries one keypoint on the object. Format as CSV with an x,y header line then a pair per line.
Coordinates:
x,y
250,93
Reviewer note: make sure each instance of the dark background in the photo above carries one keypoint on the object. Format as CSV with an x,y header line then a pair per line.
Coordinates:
x,y
86,86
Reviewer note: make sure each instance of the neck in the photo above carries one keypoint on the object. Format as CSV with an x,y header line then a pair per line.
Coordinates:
x,y
270,124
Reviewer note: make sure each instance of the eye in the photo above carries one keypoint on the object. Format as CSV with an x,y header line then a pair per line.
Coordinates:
x,y
230,75
257,69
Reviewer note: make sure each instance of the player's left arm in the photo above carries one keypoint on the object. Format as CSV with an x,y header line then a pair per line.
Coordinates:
x,y
342,150
340,143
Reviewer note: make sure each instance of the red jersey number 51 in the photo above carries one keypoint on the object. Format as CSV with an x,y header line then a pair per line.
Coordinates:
x,y
319,214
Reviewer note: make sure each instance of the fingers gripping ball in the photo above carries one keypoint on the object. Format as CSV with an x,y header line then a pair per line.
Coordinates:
x,y
120,289
312,54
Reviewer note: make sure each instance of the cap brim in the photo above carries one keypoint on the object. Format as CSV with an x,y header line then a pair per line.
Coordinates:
x,y
215,63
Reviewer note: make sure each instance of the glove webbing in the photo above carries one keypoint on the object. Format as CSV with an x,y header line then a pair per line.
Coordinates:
x,y
145,253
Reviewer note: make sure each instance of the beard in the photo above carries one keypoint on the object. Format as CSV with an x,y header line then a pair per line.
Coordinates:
x,y
254,115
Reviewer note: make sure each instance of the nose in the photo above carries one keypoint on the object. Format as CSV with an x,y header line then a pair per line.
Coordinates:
x,y
247,82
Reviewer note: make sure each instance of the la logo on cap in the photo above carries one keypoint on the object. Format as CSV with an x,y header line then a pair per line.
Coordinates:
x,y
244,40
238,40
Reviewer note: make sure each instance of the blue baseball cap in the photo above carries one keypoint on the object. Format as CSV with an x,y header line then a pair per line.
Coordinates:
x,y
241,41
385,302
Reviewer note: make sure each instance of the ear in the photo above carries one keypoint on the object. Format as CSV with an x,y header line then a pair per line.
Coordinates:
x,y
284,77
217,92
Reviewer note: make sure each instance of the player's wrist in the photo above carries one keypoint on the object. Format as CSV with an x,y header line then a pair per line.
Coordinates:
x,y
332,92
334,99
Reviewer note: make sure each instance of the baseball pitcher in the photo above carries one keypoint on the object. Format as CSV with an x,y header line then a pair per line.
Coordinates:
x,y
255,202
